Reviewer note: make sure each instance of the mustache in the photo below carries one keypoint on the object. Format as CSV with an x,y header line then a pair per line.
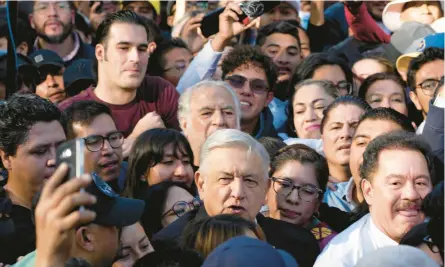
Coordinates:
x,y
405,205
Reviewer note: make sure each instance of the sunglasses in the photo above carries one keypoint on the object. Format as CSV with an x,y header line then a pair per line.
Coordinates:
x,y
257,86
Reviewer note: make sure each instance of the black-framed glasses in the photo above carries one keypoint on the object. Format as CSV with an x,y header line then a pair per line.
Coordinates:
x,y
285,187
95,143
429,86
182,207
257,86
345,86
431,245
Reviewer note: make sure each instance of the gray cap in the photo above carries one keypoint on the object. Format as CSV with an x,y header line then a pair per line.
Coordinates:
x,y
408,33
397,256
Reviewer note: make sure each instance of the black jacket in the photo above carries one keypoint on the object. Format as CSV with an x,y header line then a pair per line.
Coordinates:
x,y
265,127
297,241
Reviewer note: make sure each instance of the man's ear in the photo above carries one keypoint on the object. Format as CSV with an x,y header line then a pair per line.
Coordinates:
x,y
368,191
415,100
85,238
183,123
199,181
100,52
152,47
6,160
31,21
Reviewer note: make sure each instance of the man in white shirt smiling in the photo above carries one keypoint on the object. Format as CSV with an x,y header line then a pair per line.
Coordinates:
x,y
397,174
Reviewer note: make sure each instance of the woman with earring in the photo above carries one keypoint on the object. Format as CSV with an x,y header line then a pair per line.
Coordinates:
x,y
298,177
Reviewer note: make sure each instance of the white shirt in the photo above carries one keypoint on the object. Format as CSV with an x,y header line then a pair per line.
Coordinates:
x,y
348,247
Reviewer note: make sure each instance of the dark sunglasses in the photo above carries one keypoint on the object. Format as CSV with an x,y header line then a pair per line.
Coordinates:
x,y
257,86
49,70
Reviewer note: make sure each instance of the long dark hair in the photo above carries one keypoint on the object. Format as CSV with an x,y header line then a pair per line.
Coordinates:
x,y
147,151
155,197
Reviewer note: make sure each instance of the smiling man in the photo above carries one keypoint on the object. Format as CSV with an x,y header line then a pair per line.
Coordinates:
x,y
397,174
252,75
137,102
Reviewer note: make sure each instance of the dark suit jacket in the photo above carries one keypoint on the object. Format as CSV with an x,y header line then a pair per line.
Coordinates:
x,y
297,241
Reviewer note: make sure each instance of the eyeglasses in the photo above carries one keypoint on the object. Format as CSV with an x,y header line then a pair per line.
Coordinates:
x,y
431,245
257,86
429,86
344,86
44,6
95,143
181,207
284,187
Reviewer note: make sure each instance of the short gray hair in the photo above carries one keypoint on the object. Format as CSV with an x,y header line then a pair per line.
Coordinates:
x,y
186,98
225,138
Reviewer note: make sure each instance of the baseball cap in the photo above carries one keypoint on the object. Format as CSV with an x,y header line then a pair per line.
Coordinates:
x,y
417,47
243,251
110,208
156,4
44,57
391,14
78,70
396,256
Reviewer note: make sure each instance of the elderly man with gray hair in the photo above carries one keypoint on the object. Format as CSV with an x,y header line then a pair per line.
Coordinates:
x,y
204,108
233,179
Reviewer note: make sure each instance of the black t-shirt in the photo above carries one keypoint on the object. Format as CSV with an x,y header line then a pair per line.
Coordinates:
x,y
21,240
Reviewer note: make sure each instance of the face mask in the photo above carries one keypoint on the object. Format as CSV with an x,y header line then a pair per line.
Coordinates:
x,y
304,18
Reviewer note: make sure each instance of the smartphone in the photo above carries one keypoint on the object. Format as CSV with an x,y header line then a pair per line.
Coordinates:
x,y
72,153
251,10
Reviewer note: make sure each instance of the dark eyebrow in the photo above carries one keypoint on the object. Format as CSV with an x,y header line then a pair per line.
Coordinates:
x,y
274,45
292,47
361,136
128,43
143,239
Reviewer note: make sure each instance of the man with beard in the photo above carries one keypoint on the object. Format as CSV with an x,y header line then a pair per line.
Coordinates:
x,y
92,121
53,22
397,173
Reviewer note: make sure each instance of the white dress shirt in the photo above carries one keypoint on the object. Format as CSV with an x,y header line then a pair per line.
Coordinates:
x,y
348,247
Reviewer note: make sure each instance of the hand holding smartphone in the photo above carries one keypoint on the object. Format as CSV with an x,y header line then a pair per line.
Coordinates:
x,y
72,153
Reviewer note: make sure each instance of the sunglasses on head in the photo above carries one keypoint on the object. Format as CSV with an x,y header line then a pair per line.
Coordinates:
x,y
257,86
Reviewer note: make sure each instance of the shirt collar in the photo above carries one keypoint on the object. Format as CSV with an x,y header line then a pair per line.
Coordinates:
x,y
381,238
72,54
349,189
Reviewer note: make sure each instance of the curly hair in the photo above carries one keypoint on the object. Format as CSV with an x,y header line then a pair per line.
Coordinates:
x,y
245,55
17,116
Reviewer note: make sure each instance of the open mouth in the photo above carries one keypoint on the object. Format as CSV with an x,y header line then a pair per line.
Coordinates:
x,y
234,209
344,147
245,104
109,165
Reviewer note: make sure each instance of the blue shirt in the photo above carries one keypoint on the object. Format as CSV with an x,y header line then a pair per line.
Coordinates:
x,y
341,198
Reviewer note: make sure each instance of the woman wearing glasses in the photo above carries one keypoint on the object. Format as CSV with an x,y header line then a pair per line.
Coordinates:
x,y
165,203
298,177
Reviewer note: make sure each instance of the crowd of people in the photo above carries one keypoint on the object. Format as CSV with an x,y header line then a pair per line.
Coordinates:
x,y
312,135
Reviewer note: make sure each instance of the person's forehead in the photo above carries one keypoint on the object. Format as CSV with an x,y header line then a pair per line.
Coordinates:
x,y
345,113
251,70
45,133
281,39
102,124
374,128
211,97
433,69
127,32
310,93
139,4
398,161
